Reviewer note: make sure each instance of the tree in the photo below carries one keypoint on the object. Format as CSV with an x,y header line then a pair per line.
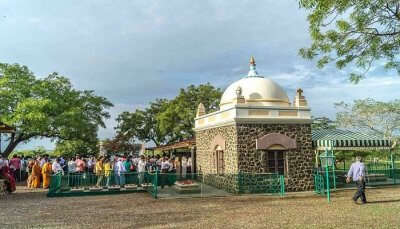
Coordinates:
x,y
167,121
322,123
121,144
47,108
142,125
354,31
177,121
379,118
70,148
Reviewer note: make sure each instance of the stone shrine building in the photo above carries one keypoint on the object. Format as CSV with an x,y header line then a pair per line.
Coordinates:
x,y
257,130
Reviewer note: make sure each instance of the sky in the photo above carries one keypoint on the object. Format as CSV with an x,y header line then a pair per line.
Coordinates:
x,y
133,52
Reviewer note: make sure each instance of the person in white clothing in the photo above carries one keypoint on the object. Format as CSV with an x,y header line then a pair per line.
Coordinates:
x,y
71,166
56,167
184,166
120,170
141,168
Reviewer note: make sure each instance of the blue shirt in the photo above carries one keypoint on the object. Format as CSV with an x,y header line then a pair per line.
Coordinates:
x,y
356,171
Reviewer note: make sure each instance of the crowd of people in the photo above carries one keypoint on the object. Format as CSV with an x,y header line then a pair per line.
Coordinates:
x,y
115,169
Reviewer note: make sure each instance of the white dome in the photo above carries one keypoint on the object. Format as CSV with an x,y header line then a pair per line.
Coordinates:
x,y
257,91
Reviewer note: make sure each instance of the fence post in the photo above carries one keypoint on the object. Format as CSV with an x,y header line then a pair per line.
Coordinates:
x,y
156,184
282,185
334,177
328,192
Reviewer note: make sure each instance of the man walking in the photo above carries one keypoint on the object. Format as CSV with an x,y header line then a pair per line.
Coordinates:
x,y
357,172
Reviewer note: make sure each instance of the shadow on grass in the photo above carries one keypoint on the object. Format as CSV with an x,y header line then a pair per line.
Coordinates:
x,y
382,201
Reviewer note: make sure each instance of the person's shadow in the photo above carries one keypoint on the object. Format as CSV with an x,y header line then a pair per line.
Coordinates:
x,y
382,201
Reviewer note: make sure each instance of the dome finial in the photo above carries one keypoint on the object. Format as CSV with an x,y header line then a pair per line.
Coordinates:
x,y
252,60
252,72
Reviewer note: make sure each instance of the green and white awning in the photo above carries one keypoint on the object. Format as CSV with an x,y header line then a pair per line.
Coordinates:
x,y
337,139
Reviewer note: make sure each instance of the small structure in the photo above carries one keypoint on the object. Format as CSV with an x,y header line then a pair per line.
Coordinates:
x,y
256,130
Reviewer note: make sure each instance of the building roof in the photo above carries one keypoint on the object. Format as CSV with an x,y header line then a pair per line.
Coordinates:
x,y
6,129
178,145
347,140
256,90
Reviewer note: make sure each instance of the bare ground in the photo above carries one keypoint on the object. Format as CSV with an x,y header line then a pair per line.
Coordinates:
x,y
25,209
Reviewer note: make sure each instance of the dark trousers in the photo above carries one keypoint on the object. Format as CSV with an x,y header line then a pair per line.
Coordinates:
x,y
360,192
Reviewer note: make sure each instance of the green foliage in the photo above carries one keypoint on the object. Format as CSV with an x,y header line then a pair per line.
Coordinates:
x,y
379,118
177,121
39,151
121,144
142,124
358,32
166,121
48,107
322,123
75,147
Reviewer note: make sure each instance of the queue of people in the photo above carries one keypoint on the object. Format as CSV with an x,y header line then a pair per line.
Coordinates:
x,y
102,171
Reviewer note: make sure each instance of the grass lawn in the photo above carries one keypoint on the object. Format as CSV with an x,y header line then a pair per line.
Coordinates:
x,y
34,210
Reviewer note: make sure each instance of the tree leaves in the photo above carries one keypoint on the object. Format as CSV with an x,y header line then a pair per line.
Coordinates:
x,y
379,118
49,107
167,121
364,31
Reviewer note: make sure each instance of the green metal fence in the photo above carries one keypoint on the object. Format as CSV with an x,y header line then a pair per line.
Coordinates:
x,y
337,179
90,184
162,185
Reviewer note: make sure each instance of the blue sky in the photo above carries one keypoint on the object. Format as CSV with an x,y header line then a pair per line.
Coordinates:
x,y
135,51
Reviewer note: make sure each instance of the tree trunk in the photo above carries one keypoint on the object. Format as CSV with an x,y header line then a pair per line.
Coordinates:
x,y
11,146
13,143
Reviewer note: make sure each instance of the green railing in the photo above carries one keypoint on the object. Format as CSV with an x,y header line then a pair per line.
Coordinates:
x,y
167,184
261,183
337,179
105,183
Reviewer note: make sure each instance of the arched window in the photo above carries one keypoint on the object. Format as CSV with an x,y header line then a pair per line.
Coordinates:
x,y
219,161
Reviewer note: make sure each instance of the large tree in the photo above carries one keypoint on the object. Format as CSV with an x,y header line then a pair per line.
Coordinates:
x,y
142,125
47,107
354,31
167,121
177,121
71,148
121,144
379,118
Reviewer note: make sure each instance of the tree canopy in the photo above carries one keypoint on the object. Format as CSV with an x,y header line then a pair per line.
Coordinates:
x,y
379,118
167,121
322,123
354,31
47,107
70,148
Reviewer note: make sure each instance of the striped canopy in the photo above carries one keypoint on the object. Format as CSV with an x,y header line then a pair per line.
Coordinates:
x,y
337,139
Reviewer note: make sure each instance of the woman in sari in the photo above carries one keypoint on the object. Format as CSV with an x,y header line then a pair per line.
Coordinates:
x,y
46,173
5,174
35,177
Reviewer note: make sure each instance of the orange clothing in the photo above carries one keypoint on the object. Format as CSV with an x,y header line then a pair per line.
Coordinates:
x,y
46,173
35,177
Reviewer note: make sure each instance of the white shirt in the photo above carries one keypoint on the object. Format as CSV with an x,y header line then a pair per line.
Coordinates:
x,y
120,168
165,165
141,166
71,166
56,167
42,162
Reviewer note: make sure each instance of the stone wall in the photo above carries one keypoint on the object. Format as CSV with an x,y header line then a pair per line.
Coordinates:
x,y
205,160
240,154
299,162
